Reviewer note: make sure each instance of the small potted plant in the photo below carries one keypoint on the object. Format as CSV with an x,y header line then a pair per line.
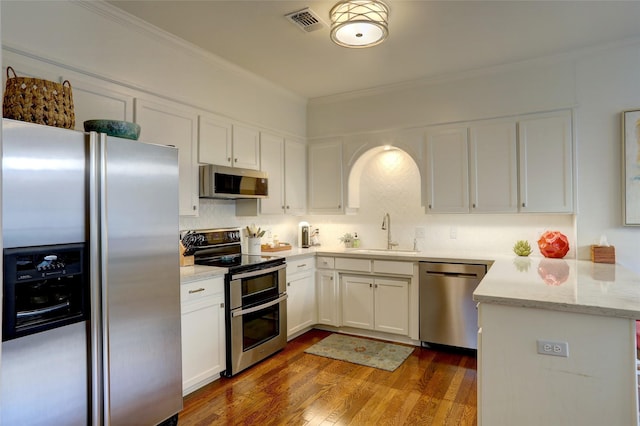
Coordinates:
x,y
347,239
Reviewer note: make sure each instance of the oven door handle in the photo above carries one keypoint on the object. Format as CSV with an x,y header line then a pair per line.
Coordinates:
x,y
35,312
258,272
241,312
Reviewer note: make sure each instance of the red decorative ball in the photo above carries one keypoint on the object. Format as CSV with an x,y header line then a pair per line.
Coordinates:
x,y
553,244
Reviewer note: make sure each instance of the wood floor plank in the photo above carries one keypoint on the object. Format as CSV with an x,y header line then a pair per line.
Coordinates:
x,y
432,387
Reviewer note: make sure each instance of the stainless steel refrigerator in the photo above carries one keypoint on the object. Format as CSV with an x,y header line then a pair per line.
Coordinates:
x,y
121,364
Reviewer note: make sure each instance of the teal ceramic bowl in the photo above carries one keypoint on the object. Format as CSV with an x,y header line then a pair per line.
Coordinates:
x,y
117,128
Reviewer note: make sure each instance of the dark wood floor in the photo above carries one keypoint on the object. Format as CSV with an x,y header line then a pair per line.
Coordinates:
x,y
294,388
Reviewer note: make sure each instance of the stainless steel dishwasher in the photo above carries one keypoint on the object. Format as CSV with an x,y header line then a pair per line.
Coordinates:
x,y
448,314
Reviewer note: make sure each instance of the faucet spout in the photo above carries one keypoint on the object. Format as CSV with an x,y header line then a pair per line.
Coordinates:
x,y
386,226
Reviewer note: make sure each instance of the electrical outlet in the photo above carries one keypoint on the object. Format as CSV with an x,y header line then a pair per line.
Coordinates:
x,y
547,347
453,233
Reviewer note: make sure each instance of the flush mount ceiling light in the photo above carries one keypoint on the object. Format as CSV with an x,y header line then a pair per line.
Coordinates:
x,y
359,23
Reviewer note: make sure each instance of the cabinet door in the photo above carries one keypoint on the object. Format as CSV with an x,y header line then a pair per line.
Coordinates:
x,y
168,123
357,301
295,171
493,167
325,177
272,162
97,99
246,147
214,140
447,170
328,298
301,303
546,163
203,334
392,305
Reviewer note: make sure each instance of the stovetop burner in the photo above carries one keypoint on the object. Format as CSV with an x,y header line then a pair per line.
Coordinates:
x,y
222,248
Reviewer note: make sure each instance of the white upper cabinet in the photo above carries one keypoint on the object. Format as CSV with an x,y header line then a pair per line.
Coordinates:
x,y
97,99
325,177
272,162
447,168
214,140
493,167
285,164
224,143
295,184
546,163
246,147
169,123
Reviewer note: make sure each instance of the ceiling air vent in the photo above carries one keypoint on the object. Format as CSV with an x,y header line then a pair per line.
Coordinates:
x,y
306,19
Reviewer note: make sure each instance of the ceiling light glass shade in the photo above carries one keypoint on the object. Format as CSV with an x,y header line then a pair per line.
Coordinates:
x,y
359,23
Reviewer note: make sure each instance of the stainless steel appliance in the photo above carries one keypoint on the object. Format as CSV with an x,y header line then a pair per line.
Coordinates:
x,y
255,296
118,200
447,312
232,182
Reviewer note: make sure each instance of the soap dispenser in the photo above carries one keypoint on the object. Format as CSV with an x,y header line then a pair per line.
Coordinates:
x,y
356,240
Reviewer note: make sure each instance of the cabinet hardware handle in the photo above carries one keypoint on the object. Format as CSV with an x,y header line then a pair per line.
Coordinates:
x,y
524,204
302,266
474,205
429,205
288,284
370,285
282,207
195,207
339,206
229,159
198,290
222,305
235,160
287,207
331,279
375,286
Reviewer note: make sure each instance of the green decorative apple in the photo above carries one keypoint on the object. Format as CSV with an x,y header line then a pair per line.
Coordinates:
x,y
522,248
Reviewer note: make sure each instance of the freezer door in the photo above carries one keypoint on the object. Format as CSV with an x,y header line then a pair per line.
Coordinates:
x,y
141,281
43,185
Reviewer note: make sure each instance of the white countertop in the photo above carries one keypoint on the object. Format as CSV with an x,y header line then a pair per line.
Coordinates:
x,y
562,284
536,282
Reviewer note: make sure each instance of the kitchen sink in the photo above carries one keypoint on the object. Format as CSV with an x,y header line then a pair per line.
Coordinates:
x,y
384,251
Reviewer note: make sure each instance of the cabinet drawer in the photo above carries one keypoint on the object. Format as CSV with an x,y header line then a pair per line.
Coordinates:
x,y
197,290
360,265
299,265
392,267
325,262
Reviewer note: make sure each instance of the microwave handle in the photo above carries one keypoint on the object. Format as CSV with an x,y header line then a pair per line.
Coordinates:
x,y
258,272
259,307
36,312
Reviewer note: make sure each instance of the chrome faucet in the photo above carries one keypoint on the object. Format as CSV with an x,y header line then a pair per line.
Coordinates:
x,y
386,225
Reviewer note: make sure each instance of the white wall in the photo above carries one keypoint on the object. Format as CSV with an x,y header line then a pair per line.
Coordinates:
x,y
101,40
599,84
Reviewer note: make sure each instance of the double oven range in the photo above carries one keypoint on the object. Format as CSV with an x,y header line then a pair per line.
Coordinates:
x,y
255,296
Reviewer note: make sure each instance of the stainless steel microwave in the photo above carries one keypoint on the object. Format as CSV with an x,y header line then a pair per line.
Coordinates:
x,y
232,182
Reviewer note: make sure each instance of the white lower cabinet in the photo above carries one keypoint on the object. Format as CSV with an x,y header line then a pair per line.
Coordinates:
x,y
375,303
301,300
203,332
328,298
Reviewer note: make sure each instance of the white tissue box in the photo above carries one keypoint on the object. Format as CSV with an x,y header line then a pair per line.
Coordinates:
x,y
603,254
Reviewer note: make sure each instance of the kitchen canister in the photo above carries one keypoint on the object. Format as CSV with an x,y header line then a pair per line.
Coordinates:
x,y
253,245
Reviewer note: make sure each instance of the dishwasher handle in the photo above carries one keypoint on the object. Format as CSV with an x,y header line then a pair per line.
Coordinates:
x,y
453,274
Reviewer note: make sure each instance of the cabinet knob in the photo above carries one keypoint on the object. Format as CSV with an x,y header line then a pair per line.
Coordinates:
x,y
524,204
370,285
288,284
339,206
473,205
331,278
235,160
429,206
287,207
282,207
195,208
222,305
229,159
